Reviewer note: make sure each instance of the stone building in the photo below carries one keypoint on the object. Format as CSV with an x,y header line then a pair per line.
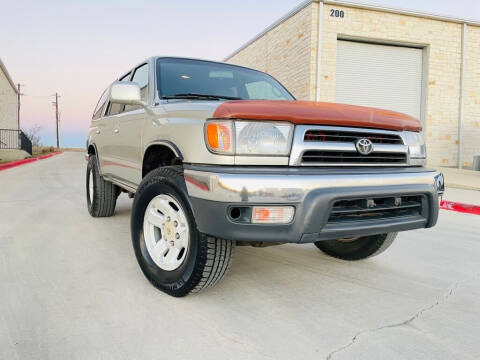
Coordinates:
x,y
425,65
8,100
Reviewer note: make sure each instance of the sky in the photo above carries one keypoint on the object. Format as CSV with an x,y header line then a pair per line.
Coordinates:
x,y
77,48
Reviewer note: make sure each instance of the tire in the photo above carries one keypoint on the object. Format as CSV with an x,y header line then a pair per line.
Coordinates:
x,y
104,198
199,262
357,249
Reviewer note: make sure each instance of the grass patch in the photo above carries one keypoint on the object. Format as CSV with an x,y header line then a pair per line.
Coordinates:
x,y
42,150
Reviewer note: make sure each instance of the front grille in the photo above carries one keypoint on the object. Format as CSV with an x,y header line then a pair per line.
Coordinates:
x,y
318,145
344,157
350,136
376,208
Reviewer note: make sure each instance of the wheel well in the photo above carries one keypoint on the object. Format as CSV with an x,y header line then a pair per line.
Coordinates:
x,y
157,156
91,150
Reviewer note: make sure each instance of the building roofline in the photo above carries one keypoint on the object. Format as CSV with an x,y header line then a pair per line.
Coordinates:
x,y
285,17
7,75
400,11
366,6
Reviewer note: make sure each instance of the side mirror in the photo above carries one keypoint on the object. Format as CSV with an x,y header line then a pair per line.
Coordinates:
x,y
123,92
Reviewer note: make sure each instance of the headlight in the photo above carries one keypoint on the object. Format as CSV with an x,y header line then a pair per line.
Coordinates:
x,y
262,138
416,144
248,137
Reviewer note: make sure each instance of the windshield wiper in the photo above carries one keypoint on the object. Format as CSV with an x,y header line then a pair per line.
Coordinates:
x,y
200,97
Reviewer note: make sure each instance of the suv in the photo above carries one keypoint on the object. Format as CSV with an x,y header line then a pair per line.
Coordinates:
x,y
218,156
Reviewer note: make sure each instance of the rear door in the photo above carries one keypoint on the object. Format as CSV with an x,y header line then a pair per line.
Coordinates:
x,y
128,130
101,127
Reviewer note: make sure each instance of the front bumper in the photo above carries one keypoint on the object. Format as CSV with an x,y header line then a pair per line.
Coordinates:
x,y
214,190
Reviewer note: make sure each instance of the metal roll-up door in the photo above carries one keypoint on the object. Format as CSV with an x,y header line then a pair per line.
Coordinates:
x,y
383,76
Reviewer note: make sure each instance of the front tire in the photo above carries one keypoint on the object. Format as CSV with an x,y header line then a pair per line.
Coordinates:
x,y
101,194
173,255
357,248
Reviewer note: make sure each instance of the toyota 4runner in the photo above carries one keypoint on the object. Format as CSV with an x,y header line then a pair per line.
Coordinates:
x,y
218,156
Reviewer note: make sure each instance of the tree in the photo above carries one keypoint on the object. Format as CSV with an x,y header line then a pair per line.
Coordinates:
x,y
32,134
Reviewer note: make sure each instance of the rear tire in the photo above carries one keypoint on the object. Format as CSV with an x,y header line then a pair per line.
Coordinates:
x,y
101,194
357,249
173,255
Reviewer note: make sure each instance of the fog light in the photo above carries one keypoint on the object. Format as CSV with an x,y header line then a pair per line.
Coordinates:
x,y
272,214
440,184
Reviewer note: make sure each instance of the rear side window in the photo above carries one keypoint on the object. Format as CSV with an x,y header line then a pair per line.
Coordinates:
x,y
140,76
97,113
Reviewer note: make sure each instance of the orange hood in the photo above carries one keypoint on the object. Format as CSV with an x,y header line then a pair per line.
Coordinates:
x,y
317,113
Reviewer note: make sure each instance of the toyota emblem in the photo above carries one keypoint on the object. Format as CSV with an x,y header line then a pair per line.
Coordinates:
x,y
364,146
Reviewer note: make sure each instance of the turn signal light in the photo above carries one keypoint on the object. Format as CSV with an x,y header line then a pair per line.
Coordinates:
x,y
219,136
272,214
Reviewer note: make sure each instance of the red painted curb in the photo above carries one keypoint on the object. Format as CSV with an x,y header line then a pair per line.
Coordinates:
x,y
459,207
26,161
16,163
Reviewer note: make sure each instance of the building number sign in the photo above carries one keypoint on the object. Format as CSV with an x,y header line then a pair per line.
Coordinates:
x,y
337,13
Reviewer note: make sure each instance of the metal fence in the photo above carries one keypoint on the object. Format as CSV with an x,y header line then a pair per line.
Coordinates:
x,y
15,139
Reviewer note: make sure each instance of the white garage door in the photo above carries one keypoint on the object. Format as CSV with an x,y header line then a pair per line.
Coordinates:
x,y
388,77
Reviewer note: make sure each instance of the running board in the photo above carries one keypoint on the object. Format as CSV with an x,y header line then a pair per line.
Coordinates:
x,y
124,185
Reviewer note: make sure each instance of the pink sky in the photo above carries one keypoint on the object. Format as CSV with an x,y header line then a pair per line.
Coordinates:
x,y
78,47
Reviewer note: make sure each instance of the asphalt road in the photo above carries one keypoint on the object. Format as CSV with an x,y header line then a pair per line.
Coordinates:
x,y
70,288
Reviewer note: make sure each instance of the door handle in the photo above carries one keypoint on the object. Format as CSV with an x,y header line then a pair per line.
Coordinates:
x,y
115,131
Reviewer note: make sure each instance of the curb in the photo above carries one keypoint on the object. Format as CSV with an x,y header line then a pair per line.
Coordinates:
x,y
462,187
459,207
13,164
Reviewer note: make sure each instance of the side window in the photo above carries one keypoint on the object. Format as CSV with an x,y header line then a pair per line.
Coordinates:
x,y
114,109
262,90
125,77
97,113
140,76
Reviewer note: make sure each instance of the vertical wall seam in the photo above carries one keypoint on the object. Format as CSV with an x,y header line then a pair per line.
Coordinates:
x,y
319,51
461,96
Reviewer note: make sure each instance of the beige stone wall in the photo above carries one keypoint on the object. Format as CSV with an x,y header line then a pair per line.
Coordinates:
x,y
285,52
442,41
471,125
8,104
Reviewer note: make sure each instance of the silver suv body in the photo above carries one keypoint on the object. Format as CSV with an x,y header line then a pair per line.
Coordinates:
x,y
257,166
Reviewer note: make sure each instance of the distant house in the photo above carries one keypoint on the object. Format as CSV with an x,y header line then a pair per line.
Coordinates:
x,y
8,100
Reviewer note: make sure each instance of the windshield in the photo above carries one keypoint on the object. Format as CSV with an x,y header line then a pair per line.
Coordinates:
x,y
197,79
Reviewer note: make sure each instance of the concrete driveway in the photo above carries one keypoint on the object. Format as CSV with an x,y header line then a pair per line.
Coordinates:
x,y
70,288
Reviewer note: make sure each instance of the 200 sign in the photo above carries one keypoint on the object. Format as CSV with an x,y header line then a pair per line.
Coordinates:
x,y
337,13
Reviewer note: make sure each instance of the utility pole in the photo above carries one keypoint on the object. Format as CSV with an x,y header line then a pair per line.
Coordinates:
x,y
56,117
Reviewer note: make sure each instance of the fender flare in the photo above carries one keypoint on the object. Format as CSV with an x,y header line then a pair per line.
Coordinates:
x,y
166,143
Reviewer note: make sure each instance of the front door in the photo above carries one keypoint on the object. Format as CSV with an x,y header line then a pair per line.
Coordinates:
x,y
128,130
